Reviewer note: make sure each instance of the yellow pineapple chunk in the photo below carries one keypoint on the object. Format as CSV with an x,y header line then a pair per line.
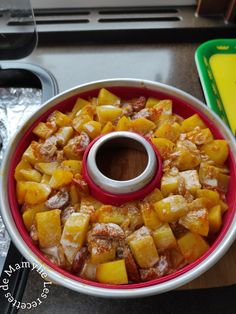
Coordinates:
x,y
124,124
171,208
32,192
164,237
196,221
192,122
108,113
217,150
60,118
169,131
74,234
108,213
112,273
44,130
80,103
22,165
30,175
151,102
149,215
89,204
169,184
47,167
154,196
191,180
164,146
102,251
29,215
73,165
92,128
48,225
215,219
107,98
108,127
60,177
192,246
78,122
64,134
143,248
200,137
142,125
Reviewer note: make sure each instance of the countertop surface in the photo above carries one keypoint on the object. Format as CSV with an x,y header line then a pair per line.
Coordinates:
x,y
171,64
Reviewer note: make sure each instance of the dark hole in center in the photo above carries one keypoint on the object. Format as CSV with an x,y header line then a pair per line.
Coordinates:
x,y
121,159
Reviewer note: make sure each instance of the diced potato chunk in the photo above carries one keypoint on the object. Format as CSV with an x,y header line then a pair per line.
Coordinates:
x,y
32,192
177,258
192,246
29,215
188,155
92,128
149,215
169,184
191,180
142,125
200,137
64,134
88,110
124,124
208,175
164,146
108,213
213,197
217,150
154,196
108,127
215,219
30,175
196,221
151,102
45,179
144,251
44,130
169,131
102,251
22,165
60,177
112,273
74,234
107,98
60,118
32,153
48,225
192,122
78,122
164,237
72,165
108,113
74,195
165,106
47,167
171,208
80,103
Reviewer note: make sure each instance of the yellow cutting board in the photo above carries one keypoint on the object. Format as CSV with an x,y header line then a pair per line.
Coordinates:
x,y
223,68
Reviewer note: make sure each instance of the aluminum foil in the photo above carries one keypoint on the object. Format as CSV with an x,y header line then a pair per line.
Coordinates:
x,y
16,105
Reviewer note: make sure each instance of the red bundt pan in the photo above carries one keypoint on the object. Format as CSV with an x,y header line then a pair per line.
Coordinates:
x,y
64,103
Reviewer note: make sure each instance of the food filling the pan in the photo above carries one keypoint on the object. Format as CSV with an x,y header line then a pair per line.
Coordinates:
x,y
141,240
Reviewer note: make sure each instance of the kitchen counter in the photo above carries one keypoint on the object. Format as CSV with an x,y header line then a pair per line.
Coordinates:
x,y
171,64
